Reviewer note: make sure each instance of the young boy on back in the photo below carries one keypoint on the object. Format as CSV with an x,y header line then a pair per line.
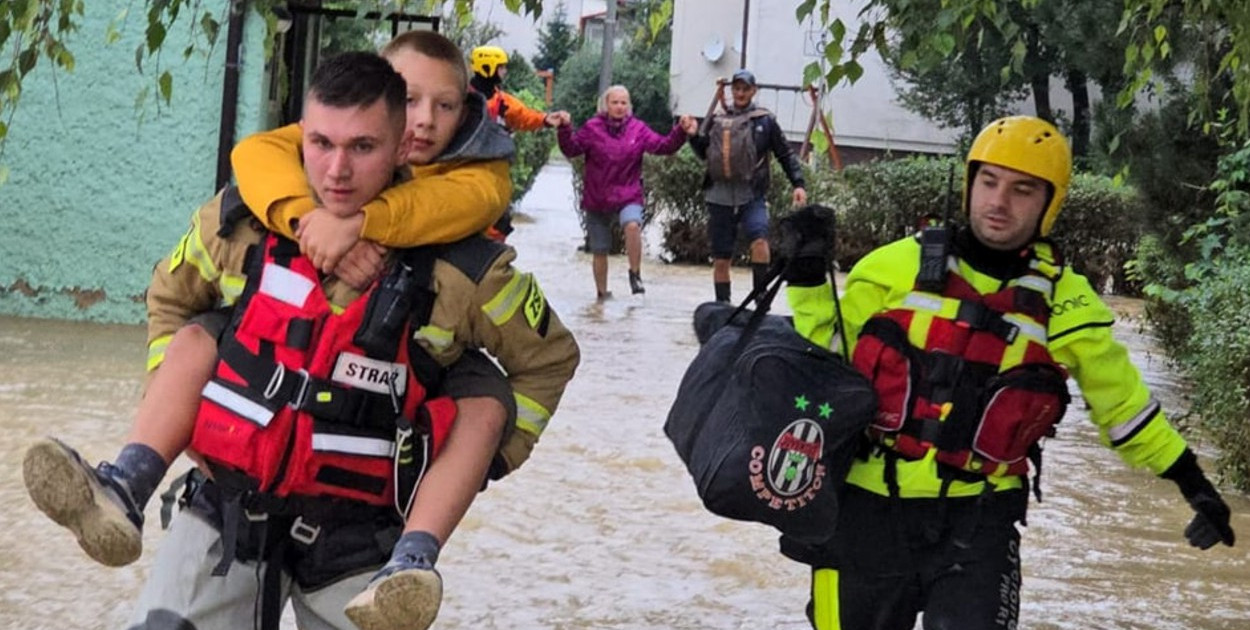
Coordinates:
x,y
104,506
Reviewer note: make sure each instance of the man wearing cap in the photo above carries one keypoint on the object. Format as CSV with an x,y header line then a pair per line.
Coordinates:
x,y
735,144
969,335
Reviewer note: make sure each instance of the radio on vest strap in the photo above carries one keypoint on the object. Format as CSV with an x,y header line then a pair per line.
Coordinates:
x,y
386,313
934,247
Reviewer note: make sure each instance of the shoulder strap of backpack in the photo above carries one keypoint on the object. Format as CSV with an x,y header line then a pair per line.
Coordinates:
x,y
232,211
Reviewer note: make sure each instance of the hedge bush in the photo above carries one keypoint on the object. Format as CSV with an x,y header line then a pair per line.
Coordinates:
x,y
884,200
532,150
1217,361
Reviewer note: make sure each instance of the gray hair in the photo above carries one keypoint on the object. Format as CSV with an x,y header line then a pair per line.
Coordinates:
x,y
603,98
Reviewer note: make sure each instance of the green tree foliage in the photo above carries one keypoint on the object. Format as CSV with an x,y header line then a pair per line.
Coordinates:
x,y
346,34
533,148
1220,29
641,65
469,33
1152,29
964,72
955,80
32,31
556,42
521,77
966,91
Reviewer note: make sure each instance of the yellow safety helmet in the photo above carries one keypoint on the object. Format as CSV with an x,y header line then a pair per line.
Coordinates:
x,y
1030,145
487,59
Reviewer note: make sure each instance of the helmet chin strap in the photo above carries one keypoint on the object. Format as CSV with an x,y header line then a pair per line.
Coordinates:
x,y
485,86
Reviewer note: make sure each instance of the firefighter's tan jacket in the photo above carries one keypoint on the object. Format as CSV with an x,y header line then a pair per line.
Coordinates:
x,y
482,302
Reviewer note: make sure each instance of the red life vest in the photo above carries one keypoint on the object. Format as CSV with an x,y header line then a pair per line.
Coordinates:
x,y
966,373
297,407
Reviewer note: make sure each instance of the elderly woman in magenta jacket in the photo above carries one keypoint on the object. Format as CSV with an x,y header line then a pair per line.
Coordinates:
x,y
614,142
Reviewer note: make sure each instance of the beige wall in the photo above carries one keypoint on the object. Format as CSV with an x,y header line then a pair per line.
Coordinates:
x,y
778,48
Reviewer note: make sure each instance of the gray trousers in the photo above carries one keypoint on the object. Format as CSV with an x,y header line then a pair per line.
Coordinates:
x,y
181,593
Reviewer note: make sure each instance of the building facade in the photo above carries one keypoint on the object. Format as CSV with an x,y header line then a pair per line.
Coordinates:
x,y
103,178
713,38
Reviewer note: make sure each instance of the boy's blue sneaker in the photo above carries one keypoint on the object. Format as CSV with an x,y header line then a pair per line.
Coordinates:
x,y
407,599
406,593
94,503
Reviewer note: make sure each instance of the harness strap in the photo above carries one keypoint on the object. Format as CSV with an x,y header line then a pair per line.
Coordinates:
x,y
319,397
231,511
900,526
980,317
933,530
271,554
1035,456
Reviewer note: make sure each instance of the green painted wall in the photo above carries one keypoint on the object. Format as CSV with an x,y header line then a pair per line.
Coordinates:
x,y
98,191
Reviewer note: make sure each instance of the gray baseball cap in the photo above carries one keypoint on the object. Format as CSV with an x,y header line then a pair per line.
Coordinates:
x,y
745,76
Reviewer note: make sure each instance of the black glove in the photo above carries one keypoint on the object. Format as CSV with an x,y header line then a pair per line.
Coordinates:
x,y
805,242
1210,524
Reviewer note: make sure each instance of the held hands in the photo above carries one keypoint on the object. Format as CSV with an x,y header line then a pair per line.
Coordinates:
x,y
806,240
688,124
558,118
1211,519
325,237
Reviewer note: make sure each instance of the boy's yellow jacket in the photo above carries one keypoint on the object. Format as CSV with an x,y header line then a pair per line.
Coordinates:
x,y
464,191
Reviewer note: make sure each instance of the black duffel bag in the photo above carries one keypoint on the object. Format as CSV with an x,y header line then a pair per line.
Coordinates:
x,y
766,422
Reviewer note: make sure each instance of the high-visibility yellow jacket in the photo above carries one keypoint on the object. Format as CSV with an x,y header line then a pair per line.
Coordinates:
x,y
1128,418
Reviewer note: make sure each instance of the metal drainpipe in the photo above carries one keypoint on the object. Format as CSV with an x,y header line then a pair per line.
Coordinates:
x,y
230,92
746,21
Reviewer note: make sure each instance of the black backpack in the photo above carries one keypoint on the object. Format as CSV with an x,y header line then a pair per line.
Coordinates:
x,y
766,422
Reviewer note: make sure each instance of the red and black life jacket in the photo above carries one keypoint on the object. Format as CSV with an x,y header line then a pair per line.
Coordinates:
x,y
303,405
969,374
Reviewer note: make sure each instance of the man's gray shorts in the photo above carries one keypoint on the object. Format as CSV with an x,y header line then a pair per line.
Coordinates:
x,y
182,594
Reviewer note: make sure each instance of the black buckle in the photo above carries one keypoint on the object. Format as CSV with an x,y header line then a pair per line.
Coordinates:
x,y
283,388
980,317
303,532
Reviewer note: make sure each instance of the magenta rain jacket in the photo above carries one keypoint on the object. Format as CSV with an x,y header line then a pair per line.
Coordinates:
x,y
612,178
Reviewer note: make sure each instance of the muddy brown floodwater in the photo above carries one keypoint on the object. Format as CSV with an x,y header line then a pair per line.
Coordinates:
x,y
602,528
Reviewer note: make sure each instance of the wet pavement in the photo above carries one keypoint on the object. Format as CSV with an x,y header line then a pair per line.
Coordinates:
x,y
602,528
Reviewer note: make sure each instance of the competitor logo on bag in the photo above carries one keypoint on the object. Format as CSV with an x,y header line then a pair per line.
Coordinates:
x,y
792,474
370,374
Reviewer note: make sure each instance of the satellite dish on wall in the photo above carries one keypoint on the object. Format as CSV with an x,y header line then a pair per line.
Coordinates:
x,y
714,49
